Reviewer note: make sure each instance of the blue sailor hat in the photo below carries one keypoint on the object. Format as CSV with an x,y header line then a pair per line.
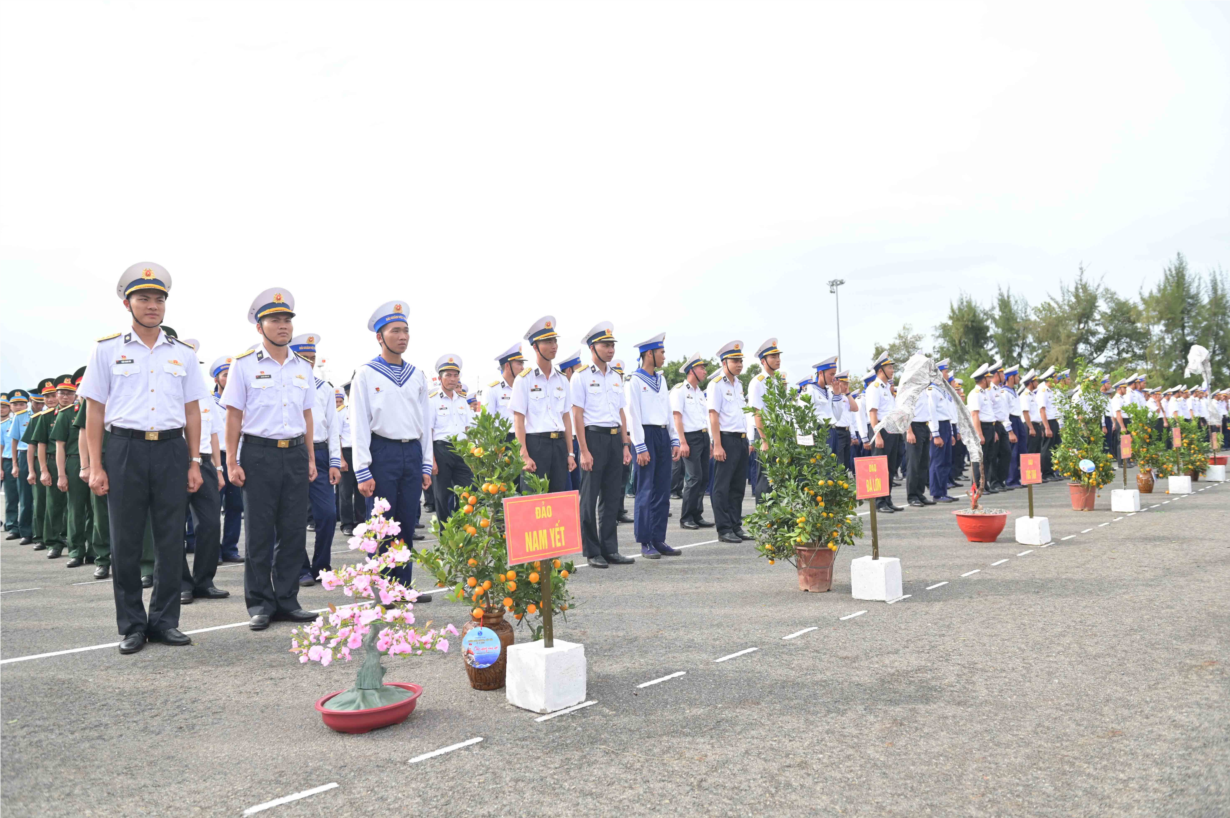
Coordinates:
x,y
826,364
600,333
220,365
869,377
942,366
542,329
513,353
882,361
1012,370
769,347
144,276
305,343
19,395
448,362
274,301
731,349
388,313
618,366
656,342
571,361
469,396
691,361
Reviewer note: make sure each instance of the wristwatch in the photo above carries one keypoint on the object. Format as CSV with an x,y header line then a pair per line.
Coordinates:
x,y
195,460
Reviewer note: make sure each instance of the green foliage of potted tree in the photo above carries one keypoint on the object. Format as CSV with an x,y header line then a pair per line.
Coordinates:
x,y
810,510
1081,439
1194,449
472,557
1148,446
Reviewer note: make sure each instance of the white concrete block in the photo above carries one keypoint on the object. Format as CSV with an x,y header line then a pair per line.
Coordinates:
x,y
1125,500
1033,530
545,679
1180,485
1216,474
875,579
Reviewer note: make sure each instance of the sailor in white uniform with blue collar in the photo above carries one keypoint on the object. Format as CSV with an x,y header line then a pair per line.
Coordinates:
x,y
327,452
268,398
656,445
390,422
844,412
144,387
542,410
598,416
450,416
498,400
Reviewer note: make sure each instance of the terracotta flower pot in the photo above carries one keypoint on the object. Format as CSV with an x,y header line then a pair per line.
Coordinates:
x,y
1144,482
1083,497
362,721
981,527
492,676
1195,475
815,566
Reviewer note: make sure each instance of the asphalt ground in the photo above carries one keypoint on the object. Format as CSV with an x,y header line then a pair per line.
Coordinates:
x,y
1088,677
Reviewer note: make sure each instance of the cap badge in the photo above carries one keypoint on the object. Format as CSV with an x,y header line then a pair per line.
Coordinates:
x,y
277,298
147,273
311,339
736,346
397,308
548,325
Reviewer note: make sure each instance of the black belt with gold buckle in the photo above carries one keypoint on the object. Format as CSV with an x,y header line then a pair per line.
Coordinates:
x,y
288,443
603,430
551,435
165,434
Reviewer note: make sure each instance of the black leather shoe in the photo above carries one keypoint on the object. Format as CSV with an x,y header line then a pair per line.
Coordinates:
x,y
741,534
299,615
38,546
990,490
210,593
624,517
185,597
423,598
311,526
171,636
258,622
946,499
132,643
896,508
232,560
75,562
703,523
927,501
619,559
418,537
420,525
347,531
670,514
689,525
147,582
730,536
13,535
650,553
102,572
916,503
598,562
306,581
55,553
666,551
676,496
885,509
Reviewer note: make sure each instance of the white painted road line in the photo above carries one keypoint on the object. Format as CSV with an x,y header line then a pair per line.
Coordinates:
x,y
1070,536
797,634
1133,513
1087,530
1001,562
1155,505
444,750
277,802
1103,525
936,585
663,679
1023,553
970,573
735,655
1166,503
566,710
20,590
1117,519
898,599
851,616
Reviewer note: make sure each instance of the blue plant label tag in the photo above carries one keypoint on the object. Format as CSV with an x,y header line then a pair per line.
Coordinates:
x,y
481,647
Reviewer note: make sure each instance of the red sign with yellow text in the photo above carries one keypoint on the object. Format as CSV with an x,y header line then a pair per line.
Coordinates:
x,y
1125,446
1177,436
1031,469
542,526
871,477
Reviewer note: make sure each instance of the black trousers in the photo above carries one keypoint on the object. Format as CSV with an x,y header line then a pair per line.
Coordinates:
x,y
1003,455
148,481
1048,470
451,471
601,489
919,453
890,450
353,505
990,451
205,506
730,483
696,476
550,455
275,499
1035,440
677,477
839,442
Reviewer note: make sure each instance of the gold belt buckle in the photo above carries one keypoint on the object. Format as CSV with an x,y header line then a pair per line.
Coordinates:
x,y
554,435
283,444
614,430
151,435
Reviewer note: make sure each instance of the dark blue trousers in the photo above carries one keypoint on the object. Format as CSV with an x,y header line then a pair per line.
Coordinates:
x,y
941,461
653,488
397,469
574,476
324,514
1019,448
232,514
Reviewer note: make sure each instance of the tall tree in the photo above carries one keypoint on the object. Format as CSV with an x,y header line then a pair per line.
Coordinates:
x,y
1214,332
1067,325
964,336
903,345
1125,333
1174,309
1012,326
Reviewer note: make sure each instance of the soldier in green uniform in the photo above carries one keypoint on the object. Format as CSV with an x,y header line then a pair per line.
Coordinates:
x,y
55,524
68,465
100,539
47,386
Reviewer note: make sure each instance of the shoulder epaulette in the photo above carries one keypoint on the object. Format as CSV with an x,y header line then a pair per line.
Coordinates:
x,y
21,411
45,411
493,383
305,360
433,393
524,372
176,340
108,337
760,377
244,354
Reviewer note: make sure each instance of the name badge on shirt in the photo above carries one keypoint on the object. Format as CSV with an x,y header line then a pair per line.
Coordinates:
x,y
595,387
536,393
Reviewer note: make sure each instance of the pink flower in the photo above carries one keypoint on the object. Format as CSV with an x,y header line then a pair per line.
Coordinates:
x,y
315,652
329,580
449,629
442,645
355,641
380,506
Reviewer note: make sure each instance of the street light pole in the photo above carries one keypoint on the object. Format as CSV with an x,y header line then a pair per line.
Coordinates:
x,y
833,285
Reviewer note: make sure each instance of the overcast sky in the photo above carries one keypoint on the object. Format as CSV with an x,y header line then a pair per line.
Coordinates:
x,y
695,168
